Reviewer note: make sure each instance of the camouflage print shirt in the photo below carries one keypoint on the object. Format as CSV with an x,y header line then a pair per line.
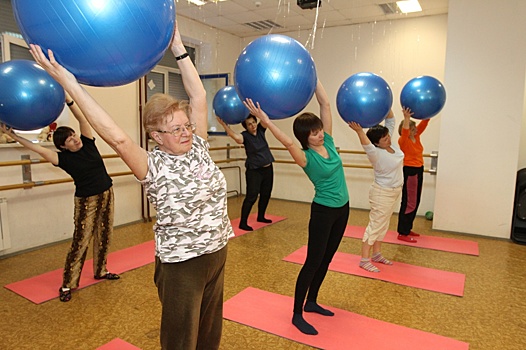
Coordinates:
x,y
190,195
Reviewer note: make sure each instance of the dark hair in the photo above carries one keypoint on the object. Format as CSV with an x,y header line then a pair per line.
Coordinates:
x,y
61,135
250,116
303,126
376,133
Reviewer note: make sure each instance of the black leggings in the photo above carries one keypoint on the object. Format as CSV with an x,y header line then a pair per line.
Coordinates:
x,y
326,228
259,183
411,193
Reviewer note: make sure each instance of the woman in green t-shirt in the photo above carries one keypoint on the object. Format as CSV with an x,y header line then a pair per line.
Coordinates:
x,y
321,162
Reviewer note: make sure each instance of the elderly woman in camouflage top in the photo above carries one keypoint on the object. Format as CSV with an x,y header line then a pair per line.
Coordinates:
x,y
189,193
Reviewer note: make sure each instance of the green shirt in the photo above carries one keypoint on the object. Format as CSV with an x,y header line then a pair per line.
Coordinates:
x,y
327,176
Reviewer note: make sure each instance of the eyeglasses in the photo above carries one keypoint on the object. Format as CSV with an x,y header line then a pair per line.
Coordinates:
x,y
179,130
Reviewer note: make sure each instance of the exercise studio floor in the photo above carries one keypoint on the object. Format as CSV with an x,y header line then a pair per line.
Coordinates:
x,y
489,316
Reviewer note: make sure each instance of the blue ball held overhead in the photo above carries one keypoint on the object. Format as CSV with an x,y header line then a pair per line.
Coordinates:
x,y
365,98
228,106
424,95
30,98
103,43
278,72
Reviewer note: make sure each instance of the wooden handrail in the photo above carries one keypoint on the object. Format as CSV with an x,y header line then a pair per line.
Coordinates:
x,y
51,182
110,156
42,161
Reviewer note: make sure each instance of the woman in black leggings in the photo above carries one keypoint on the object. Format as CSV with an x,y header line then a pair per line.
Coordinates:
x,y
259,173
321,162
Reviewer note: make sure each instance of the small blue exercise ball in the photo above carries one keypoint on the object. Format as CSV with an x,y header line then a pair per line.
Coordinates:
x,y
103,43
365,98
228,106
424,95
30,98
278,72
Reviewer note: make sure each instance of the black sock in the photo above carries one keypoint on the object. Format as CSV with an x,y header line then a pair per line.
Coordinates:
x,y
312,306
245,227
266,221
302,325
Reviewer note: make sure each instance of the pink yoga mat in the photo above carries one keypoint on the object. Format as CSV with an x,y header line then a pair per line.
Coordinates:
x,y
399,273
45,287
118,344
252,222
451,245
345,330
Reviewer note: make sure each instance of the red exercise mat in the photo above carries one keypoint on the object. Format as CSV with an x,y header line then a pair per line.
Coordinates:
x,y
118,344
345,330
252,222
45,287
404,274
451,245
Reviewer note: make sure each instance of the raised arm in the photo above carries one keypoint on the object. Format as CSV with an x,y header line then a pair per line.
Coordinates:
x,y
297,154
233,135
85,128
192,84
407,117
325,108
47,154
364,140
132,154
390,122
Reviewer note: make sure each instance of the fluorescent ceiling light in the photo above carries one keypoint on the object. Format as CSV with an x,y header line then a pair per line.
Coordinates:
x,y
197,2
409,6
203,2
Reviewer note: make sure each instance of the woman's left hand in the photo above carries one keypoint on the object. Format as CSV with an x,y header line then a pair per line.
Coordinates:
x,y
355,126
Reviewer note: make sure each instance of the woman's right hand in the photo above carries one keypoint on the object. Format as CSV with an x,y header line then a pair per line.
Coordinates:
x,y
58,72
407,112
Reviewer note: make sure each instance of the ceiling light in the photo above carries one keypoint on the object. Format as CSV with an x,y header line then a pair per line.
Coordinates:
x,y
408,6
197,2
203,2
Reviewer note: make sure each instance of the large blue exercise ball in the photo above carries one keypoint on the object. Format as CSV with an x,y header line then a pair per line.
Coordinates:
x,y
30,98
228,106
424,95
278,72
365,98
103,43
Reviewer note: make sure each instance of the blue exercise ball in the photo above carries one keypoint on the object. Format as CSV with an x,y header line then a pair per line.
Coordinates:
x,y
30,98
228,106
103,43
278,72
365,98
424,95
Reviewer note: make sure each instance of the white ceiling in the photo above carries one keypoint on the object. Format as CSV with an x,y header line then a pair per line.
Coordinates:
x,y
231,15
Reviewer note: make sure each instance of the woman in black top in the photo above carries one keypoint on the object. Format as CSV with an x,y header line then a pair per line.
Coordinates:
x,y
94,199
259,172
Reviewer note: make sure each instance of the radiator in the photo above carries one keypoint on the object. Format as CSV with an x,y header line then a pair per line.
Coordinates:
x,y
5,239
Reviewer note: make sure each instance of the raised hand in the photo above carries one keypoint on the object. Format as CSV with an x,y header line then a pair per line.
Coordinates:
x,y
176,45
407,112
58,72
355,126
256,110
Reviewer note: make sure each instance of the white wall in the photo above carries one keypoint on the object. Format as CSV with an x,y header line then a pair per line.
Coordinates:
x,y
482,121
